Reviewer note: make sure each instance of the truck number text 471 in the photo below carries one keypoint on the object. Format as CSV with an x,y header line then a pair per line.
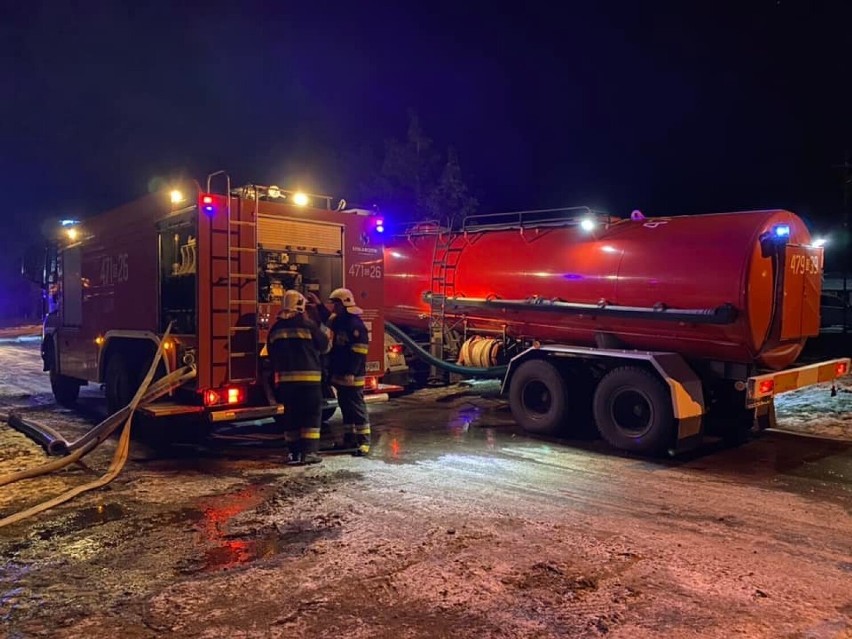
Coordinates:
x,y
114,269
371,271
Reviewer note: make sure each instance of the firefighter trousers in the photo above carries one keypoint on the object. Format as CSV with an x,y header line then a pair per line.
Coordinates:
x,y
356,420
302,416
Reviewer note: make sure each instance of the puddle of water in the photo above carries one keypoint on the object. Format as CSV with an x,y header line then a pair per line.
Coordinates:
x,y
234,553
85,518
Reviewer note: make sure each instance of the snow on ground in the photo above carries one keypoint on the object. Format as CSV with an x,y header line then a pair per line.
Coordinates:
x,y
814,411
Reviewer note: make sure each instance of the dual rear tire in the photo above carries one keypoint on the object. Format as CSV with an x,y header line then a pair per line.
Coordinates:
x,y
631,406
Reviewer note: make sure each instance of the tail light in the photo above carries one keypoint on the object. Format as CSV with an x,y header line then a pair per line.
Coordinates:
x,y
395,349
841,369
371,383
230,395
766,386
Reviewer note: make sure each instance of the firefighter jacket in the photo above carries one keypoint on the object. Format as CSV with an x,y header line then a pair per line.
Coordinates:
x,y
296,345
349,352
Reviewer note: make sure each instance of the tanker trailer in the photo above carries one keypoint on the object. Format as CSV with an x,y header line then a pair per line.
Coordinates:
x,y
659,329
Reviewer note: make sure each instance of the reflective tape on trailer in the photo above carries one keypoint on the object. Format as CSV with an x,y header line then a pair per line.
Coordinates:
x,y
761,388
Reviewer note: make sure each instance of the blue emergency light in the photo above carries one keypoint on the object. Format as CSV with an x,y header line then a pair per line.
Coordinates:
x,y
781,230
208,204
380,225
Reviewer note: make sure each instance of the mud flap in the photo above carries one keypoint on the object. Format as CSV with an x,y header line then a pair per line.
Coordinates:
x,y
765,415
690,431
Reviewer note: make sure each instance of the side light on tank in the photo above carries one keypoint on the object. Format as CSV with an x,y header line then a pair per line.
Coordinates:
x,y
300,199
587,224
820,242
176,197
781,231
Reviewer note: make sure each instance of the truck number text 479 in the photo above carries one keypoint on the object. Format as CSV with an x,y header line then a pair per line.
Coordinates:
x,y
801,264
114,269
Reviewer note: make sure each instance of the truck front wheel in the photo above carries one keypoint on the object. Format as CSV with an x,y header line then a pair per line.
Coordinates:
x,y
538,397
65,389
119,388
633,410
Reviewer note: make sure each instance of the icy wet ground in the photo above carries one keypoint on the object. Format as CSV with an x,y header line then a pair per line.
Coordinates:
x,y
458,525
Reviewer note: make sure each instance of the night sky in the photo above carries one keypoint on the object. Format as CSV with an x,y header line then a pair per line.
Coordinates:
x,y
670,107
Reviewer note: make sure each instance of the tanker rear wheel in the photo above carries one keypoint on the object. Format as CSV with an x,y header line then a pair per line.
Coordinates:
x,y
538,397
633,410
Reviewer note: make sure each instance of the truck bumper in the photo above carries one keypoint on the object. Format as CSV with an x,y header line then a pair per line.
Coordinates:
x,y
760,389
170,409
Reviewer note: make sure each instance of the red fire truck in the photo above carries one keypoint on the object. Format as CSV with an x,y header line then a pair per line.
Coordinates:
x,y
215,266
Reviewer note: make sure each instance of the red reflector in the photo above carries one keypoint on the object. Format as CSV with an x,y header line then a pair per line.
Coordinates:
x,y
395,348
841,369
211,398
766,386
207,199
371,383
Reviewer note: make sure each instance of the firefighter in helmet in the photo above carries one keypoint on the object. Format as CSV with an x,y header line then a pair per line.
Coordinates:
x,y
296,344
347,367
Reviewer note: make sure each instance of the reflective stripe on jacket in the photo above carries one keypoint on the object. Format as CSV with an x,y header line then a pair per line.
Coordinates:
x,y
296,345
349,351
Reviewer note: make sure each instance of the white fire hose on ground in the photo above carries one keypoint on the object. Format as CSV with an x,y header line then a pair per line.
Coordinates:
x,y
81,447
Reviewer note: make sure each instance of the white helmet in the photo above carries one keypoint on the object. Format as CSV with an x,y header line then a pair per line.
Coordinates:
x,y
294,302
345,297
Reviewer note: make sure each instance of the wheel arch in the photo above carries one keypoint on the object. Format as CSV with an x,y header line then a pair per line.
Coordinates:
x,y
135,345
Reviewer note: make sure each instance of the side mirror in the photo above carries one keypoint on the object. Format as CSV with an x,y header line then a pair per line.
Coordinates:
x,y
33,264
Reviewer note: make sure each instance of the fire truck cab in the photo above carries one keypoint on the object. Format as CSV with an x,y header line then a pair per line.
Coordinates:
x,y
214,266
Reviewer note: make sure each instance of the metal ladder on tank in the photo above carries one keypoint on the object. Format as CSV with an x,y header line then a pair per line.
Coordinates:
x,y
242,309
445,259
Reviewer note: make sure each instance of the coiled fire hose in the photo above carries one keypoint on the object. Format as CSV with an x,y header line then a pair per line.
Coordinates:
x,y
426,356
146,393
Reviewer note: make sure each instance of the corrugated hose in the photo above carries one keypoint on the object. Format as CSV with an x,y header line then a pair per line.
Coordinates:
x,y
77,449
